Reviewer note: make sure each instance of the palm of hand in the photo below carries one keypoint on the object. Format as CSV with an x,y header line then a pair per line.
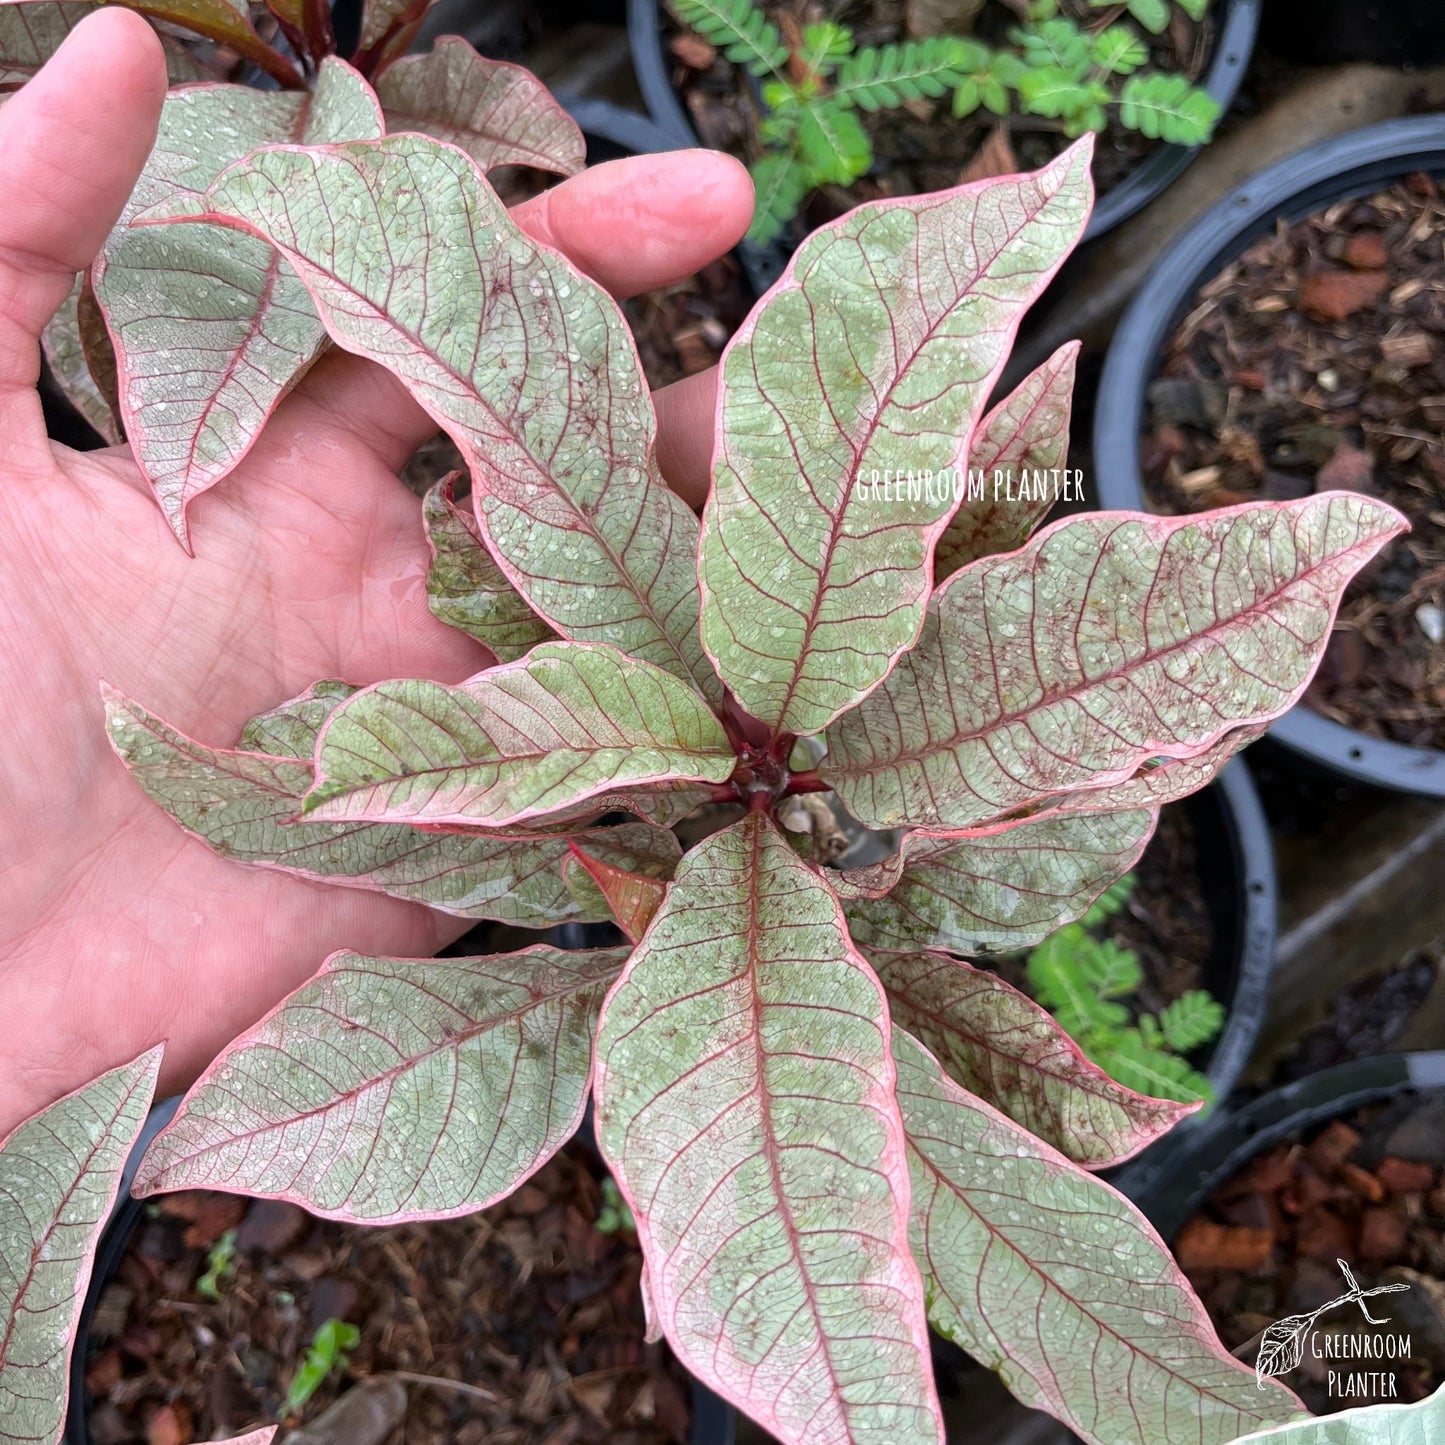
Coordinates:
x,y
116,930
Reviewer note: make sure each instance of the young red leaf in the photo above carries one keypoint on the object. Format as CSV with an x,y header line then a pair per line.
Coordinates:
x,y
1058,1284
227,22
59,1173
563,724
745,1105
1108,641
873,355
211,329
525,362
500,114
1004,888
466,589
393,1089
1003,1047
630,899
242,804
1025,434
387,28
82,360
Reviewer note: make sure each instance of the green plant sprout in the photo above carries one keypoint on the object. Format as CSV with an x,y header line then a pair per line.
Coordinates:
x,y
614,1216
1082,979
219,1264
330,1349
811,135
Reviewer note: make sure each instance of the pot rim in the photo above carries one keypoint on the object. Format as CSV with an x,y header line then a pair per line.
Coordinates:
x,y
1233,48
1352,164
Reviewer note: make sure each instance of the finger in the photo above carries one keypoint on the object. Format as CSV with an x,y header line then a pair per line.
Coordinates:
x,y
646,221
685,434
631,225
73,141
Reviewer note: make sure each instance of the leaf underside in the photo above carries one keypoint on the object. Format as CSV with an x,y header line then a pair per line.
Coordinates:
x,y
1004,889
241,804
1108,641
562,724
744,1103
465,587
500,114
82,361
1027,433
527,364
1054,1281
1000,1045
59,1172
875,353
396,1089
31,33
211,328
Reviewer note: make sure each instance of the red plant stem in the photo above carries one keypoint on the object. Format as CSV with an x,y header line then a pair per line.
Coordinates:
x,y
805,783
320,37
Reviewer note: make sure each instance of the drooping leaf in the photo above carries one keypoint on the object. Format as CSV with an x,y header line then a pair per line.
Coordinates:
x,y
465,587
59,1172
1027,433
1058,1284
563,724
627,895
1003,1047
211,327
241,805
523,360
291,730
1161,780
1417,1424
1108,641
874,354
1002,889
82,360
392,1089
744,1103
500,114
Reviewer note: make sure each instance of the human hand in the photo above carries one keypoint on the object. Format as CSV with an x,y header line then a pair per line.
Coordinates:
x,y
117,930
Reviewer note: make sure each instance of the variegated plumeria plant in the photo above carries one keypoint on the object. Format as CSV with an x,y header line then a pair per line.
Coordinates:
x,y
829,1128
185,342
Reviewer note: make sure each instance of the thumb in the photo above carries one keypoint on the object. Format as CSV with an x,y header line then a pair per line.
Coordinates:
x,y
73,141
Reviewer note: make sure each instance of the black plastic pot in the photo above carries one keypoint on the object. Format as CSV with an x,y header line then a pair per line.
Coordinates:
x,y
1350,165
1226,1143
1239,22
1387,32
713,1421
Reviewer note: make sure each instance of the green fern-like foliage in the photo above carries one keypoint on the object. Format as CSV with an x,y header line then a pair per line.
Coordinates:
x,y
1084,980
1167,107
739,29
811,134
882,77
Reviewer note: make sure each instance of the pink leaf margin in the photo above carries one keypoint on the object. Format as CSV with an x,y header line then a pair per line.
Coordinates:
x,y
789,281
894,1164
149,1063
144,1185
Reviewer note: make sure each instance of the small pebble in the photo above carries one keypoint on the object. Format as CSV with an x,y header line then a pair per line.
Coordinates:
x,y
1432,622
